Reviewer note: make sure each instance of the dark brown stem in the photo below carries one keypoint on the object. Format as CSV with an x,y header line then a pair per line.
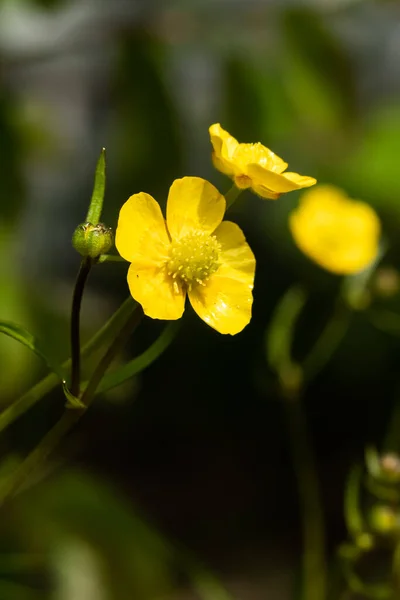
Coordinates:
x,y
83,273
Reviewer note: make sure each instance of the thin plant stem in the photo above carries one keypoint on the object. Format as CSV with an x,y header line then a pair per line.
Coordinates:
x,y
43,387
141,362
232,195
328,342
83,273
118,343
314,569
47,445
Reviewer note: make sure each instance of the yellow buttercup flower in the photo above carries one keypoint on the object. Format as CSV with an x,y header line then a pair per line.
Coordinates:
x,y
340,234
193,252
254,166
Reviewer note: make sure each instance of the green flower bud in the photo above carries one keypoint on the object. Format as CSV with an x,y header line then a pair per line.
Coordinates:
x,y
92,240
384,519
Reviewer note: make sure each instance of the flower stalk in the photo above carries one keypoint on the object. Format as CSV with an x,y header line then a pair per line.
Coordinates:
x,y
84,270
232,195
43,387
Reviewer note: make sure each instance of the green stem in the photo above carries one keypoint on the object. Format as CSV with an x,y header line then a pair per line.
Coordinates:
x,y
84,270
118,343
328,342
314,569
232,195
141,362
352,513
70,417
43,387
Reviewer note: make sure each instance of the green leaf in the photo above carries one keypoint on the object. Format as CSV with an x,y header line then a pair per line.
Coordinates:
x,y
96,202
22,335
143,361
43,387
352,511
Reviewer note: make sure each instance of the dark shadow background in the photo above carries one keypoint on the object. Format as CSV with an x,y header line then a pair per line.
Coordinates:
x,y
197,446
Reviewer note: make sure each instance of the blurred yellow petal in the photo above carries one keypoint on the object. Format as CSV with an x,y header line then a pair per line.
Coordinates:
x,y
141,231
160,296
302,181
193,205
278,183
339,234
225,301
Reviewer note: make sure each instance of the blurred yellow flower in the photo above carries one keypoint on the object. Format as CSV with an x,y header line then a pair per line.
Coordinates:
x,y
253,166
192,252
340,234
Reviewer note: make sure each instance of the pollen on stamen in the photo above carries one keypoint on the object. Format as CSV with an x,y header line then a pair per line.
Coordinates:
x,y
193,258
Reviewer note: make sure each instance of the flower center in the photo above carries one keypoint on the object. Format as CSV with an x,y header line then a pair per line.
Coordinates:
x,y
193,258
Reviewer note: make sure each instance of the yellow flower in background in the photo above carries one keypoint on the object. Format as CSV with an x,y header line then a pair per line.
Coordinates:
x,y
253,166
193,252
340,234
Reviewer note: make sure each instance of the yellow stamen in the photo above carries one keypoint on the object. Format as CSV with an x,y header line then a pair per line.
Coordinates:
x,y
193,258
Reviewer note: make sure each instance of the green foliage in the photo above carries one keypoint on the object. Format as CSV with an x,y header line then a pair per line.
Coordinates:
x,y
132,558
20,334
318,73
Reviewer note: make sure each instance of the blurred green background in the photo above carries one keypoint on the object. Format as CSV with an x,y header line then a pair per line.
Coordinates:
x,y
188,466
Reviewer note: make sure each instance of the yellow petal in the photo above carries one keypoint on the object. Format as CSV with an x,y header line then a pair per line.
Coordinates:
x,y
141,231
278,183
154,289
339,234
225,301
302,181
224,146
222,141
225,166
193,204
246,154
264,192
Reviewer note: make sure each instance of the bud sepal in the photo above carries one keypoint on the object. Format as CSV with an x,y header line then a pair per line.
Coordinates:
x,y
92,240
